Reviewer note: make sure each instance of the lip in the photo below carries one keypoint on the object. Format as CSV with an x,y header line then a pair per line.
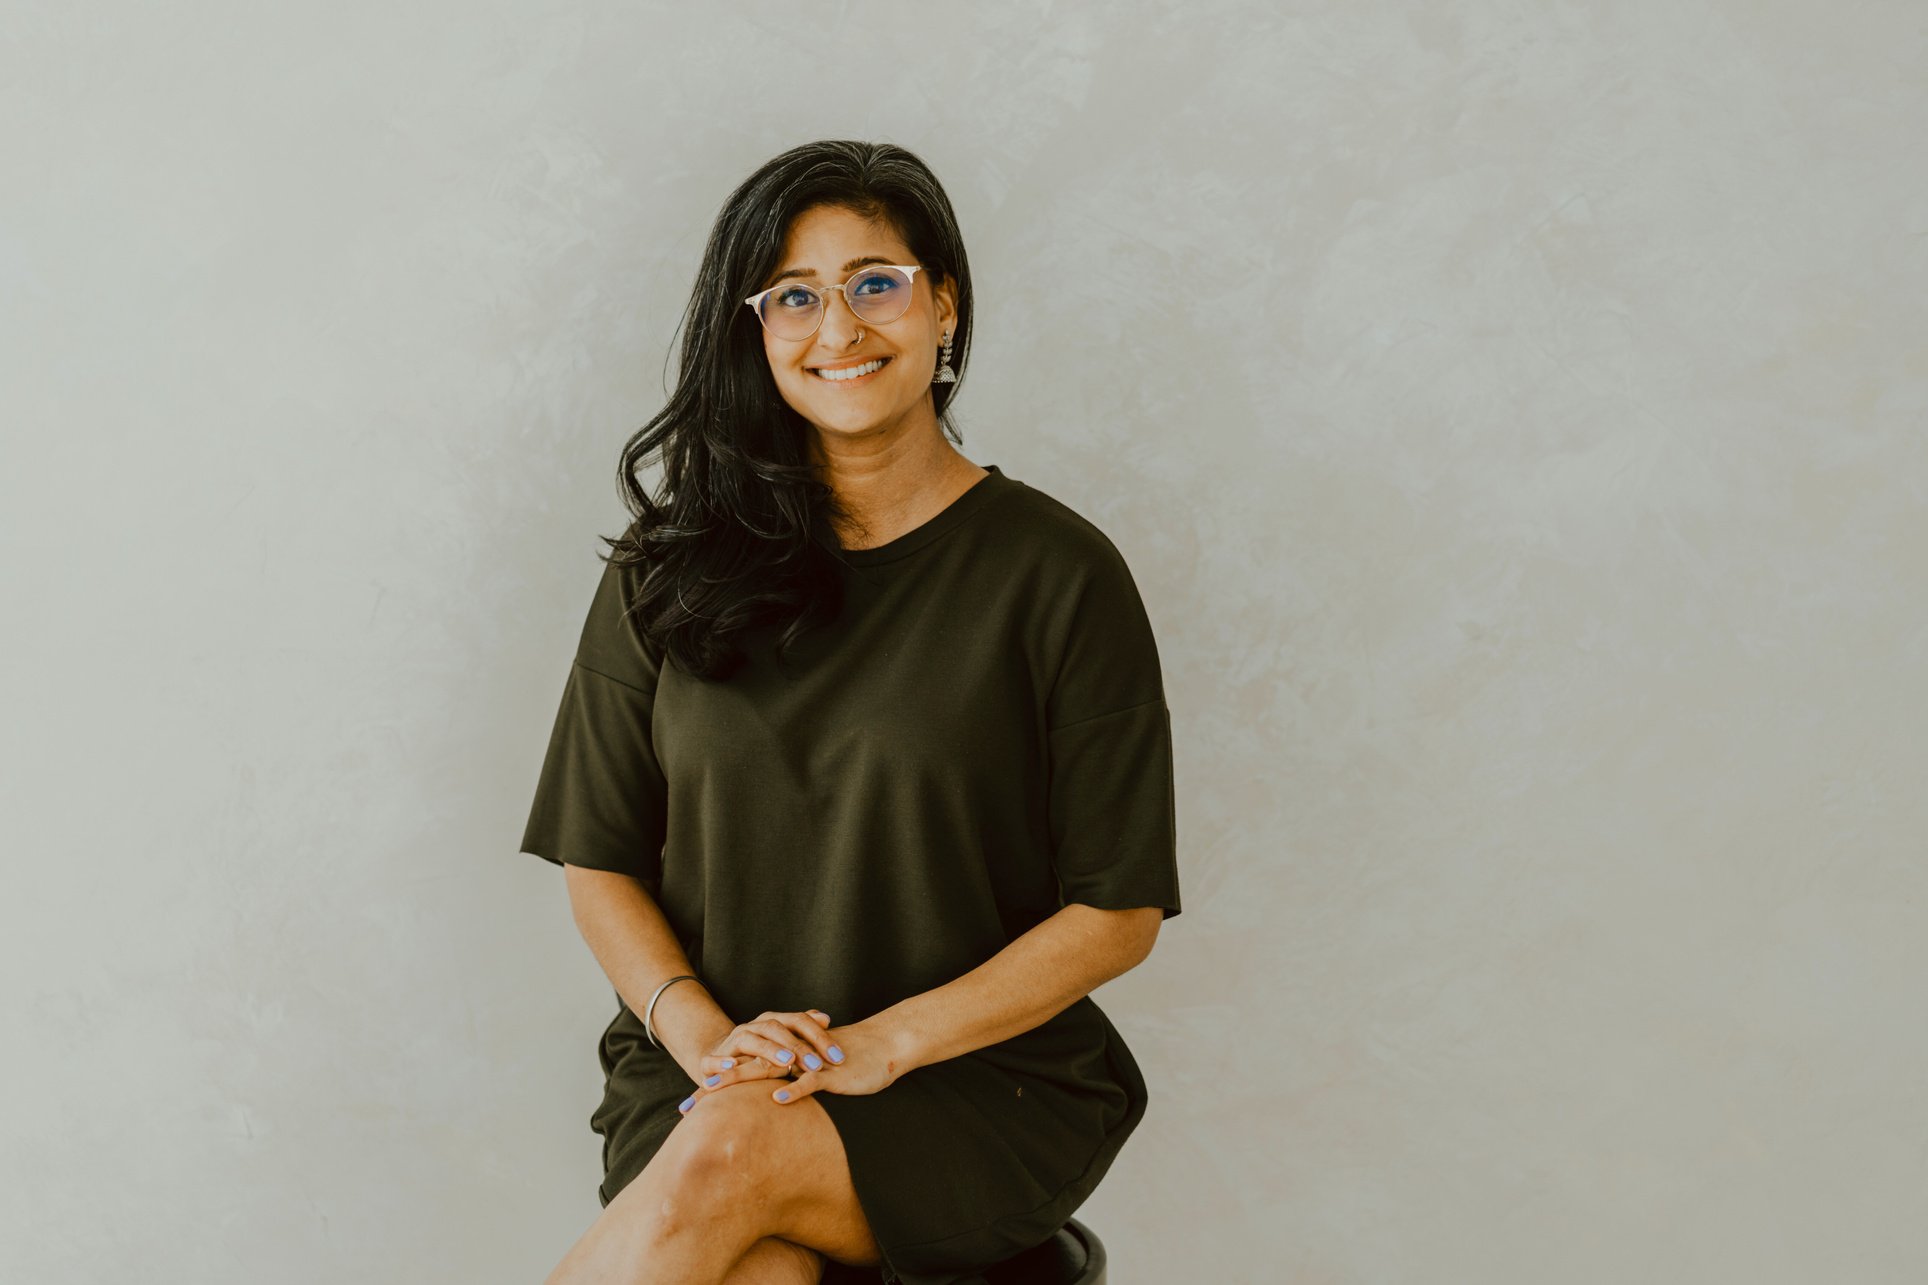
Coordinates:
x,y
846,365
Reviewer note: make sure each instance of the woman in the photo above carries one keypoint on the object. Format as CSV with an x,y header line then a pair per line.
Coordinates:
x,y
861,781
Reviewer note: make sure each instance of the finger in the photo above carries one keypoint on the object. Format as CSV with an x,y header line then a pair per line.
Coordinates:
x,y
714,1072
746,1069
798,1089
810,1040
777,1039
830,1050
730,1057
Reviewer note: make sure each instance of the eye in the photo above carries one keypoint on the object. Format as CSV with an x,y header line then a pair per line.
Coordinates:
x,y
876,283
793,297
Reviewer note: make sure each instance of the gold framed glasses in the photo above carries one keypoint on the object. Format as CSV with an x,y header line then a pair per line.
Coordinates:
x,y
878,294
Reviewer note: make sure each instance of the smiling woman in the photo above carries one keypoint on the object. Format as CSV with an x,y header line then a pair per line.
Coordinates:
x,y
862,776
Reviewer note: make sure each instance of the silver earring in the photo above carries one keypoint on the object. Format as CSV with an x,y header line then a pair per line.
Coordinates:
x,y
945,375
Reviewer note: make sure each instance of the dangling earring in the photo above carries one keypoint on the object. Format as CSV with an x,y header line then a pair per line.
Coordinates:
x,y
945,375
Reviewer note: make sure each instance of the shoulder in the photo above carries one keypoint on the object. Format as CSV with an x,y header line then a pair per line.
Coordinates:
x,y
1081,595
1056,539
613,643
1097,652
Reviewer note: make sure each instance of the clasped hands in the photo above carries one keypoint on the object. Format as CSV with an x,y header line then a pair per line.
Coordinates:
x,y
802,1050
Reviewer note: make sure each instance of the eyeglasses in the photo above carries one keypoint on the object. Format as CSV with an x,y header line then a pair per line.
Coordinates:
x,y
879,294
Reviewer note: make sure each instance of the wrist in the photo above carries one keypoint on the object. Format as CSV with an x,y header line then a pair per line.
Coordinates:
x,y
688,1023
901,1045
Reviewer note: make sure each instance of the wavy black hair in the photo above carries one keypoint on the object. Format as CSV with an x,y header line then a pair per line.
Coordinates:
x,y
738,537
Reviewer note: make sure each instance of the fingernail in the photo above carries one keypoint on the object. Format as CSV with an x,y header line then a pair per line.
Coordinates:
x,y
784,1056
688,1102
812,1061
836,1054
728,1062
712,1079
783,1095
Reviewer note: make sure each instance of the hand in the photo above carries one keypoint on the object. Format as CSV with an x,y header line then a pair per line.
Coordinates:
x,y
771,1046
864,1061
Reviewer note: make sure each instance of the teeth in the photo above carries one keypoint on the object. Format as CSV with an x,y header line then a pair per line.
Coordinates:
x,y
853,372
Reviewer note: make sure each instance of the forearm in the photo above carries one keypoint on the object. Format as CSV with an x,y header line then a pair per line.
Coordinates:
x,y
638,950
1030,981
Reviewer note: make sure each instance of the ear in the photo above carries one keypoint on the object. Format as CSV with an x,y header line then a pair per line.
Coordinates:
x,y
945,293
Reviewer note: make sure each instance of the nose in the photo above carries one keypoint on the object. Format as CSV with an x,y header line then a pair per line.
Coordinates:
x,y
839,325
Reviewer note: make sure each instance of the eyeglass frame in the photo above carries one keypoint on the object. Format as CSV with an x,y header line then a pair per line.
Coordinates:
x,y
755,301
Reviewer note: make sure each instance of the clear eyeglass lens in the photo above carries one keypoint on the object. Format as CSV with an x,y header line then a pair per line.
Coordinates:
x,y
877,295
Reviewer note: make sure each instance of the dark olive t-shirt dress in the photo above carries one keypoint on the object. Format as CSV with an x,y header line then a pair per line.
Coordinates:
x,y
981,737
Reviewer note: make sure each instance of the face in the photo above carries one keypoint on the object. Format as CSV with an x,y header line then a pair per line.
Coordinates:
x,y
824,247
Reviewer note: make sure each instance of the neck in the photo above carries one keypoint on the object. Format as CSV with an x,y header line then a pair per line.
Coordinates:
x,y
887,493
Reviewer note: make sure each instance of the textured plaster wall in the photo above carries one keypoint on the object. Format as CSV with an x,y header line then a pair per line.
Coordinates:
x,y
1514,416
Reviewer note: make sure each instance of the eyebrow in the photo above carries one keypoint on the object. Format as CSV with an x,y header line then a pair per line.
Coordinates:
x,y
852,266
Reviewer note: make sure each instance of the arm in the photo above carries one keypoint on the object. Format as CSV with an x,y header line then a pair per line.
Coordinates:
x,y
631,939
1030,981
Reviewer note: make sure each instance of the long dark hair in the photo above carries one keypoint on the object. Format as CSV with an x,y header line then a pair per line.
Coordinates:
x,y
736,539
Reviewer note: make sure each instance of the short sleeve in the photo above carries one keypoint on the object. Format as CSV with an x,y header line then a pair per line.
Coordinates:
x,y
1114,828
601,800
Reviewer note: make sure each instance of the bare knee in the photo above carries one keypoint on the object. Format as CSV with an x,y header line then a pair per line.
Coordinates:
x,y
740,1164
713,1169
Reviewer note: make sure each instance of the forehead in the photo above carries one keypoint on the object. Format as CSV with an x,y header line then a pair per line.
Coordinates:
x,y
830,241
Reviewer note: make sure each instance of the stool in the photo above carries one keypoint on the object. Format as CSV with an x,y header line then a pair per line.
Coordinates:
x,y
1072,1256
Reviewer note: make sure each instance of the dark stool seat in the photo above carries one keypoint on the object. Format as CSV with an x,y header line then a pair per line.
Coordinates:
x,y
1072,1256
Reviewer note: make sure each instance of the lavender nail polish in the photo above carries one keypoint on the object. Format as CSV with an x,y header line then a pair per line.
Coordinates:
x,y
688,1102
711,1080
785,1056
812,1061
783,1095
836,1054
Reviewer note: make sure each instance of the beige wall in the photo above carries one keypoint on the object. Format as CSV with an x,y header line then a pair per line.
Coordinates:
x,y
1513,414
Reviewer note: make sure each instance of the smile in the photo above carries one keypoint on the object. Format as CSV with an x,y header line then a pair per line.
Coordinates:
x,y
852,374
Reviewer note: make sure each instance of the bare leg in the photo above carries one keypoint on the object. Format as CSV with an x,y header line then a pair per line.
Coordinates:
x,y
775,1261
691,1226
739,1169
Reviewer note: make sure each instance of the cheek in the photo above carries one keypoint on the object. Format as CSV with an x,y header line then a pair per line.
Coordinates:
x,y
785,371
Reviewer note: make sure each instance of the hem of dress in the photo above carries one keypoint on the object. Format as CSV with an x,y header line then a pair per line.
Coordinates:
x,y
1111,1145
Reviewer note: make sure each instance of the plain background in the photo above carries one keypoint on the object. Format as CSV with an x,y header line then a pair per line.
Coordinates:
x,y
1513,415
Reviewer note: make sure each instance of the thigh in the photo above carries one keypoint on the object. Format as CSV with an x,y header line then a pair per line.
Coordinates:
x,y
775,1261
796,1161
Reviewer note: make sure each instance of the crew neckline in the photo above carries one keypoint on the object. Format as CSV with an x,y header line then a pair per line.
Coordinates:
x,y
975,497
